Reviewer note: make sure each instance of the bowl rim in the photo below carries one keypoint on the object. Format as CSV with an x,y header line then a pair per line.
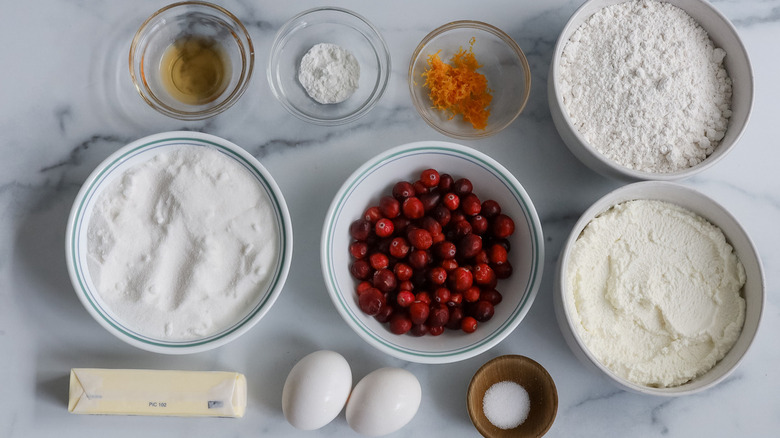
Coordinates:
x,y
536,240
489,28
616,169
247,67
115,161
382,53
618,196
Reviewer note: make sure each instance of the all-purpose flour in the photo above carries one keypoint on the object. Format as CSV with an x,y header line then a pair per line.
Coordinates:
x,y
643,83
329,73
182,245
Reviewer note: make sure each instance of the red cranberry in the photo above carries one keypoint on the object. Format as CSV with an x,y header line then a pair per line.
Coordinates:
x,y
420,238
418,259
372,214
413,208
419,330
405,298
483,274
435,331
442,215
468,324
463,187
492,296
479,224
402,271
400,323
503,270
451,201
483,311
389,206
378,261
360,229
437,276
418,312
384,314
371,301
384,227
403,190
470,204
445,250
385,280
445,182
430,178
399,247
456,316
503,226
469,246
360,269
441,295
358,250
491,209
438,316
461,279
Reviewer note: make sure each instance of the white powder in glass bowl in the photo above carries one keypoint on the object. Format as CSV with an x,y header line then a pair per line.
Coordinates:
x,y
181,246
644,85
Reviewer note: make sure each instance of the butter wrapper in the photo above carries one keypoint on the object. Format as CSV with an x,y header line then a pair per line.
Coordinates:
x,y
154,392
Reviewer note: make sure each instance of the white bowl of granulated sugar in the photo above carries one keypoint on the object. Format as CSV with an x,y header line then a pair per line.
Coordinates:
x,y
179,242
649,90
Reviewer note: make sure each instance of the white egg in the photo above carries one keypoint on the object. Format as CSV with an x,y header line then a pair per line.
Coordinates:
x,y
383,402
316,390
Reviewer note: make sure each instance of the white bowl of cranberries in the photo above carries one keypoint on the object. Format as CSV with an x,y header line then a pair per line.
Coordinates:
x,y
432,252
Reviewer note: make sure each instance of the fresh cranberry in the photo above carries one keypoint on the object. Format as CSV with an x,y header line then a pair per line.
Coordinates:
x,y
479,224
483,274
442,215
360,229
445,250
358,249
373,214
492,296
441,295
430,224
384,314
491,209
497,254
400,223
389,206
438,316
503,226
379,261
472,294
418,259
413,208
430,177
419,330
363,286
503,270
418,312
445,182
371,301
470,204
402,271
360,269
483,311
403,190
420,188
462,187
451,201
481,257
470,245
399,247
456,316
437,276
420,238
384,227
406,285
405,298
400,323
456,299
449,265
385,280
435,331
461,279
423,297
468,324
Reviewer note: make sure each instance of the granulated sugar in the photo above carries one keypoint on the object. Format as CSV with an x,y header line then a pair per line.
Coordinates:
x,y
643,83
182,245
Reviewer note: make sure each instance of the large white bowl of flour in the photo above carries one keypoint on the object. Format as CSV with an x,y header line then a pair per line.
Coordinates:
x,y
641,90
179,242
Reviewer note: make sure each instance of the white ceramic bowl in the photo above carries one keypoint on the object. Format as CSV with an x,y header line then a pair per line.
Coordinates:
x,y
112,168
343,28
753,291
737,63
491,180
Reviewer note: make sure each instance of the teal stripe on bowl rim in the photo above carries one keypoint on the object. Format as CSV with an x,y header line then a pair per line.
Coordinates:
x,y
93,191
497,172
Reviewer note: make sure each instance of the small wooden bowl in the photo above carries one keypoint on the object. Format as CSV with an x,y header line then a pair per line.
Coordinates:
x,y
526,373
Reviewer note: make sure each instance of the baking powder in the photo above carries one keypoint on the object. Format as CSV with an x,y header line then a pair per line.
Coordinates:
x,y
643,84
181,246
329,73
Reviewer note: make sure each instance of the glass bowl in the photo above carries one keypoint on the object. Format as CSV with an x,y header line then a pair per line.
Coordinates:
x,y
491,180
503,64
343,28
192,28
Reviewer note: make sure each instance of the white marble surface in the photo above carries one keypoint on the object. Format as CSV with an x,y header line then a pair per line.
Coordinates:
x,y
67,103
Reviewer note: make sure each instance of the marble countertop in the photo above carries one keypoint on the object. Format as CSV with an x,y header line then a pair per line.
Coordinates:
x,y
67,103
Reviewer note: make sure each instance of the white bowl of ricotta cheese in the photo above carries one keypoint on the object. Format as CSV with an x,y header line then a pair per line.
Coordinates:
x,y
660,288
179,242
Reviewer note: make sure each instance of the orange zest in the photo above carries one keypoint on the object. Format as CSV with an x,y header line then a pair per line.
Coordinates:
x,y
458,87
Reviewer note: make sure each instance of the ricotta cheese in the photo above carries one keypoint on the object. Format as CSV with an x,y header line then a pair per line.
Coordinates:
x,y
654,292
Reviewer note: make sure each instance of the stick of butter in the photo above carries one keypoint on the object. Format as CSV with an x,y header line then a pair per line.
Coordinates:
x,y
152,392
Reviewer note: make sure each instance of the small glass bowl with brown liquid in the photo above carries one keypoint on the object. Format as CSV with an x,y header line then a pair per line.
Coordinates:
x,y
191,60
